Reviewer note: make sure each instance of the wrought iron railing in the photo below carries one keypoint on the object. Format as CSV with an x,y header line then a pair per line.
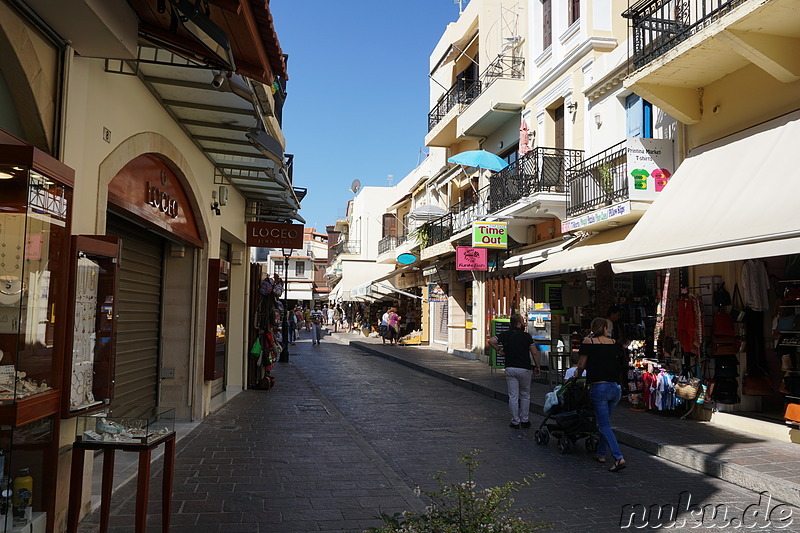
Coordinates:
x,y
386,244
464,92
402,238
598,181
346,247
540,170
509,67
657,26
461,93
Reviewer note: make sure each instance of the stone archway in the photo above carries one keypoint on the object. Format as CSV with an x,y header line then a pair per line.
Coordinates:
x,y
158,145
30,65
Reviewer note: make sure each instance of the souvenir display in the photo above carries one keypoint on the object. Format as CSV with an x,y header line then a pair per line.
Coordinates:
x,y
16,385
137,427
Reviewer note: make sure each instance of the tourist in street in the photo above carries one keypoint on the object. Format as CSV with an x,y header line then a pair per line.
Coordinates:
x,y
316,325
337,317
602,358
393,325
307,318
384,324
518,347
299,320
291,318
329,315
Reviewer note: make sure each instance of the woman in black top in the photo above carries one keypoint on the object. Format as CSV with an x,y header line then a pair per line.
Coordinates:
x,y
601,357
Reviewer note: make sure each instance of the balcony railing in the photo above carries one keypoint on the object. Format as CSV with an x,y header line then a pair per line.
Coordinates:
x,y
387,244
598,181
657,26
539,170
346,247
401,239
464,92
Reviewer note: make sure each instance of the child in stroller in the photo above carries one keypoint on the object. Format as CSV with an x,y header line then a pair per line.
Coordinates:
x,y
571,419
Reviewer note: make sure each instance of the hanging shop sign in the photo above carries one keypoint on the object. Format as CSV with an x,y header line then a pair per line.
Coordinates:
x,y
437,292
429,271
407,259
275,235
601,215
489,234
650,165
469,258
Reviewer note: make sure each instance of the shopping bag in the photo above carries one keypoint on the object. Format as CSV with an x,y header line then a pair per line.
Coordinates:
x,y
255,351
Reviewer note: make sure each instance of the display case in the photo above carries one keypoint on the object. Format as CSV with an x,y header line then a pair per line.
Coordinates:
x,y
26,489
217,318
35,207
138,426
89,374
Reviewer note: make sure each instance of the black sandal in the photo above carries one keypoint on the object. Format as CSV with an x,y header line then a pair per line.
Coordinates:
x,y
619,464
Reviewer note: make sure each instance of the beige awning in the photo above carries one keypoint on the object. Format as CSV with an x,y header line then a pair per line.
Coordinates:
x,y
538,254
583,256
730,200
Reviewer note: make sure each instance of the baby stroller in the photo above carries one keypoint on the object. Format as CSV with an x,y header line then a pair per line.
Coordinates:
x,y
571,419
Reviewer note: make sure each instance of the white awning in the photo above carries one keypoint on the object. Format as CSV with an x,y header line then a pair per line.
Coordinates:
x,y
583,256
356,275
538,255
733,199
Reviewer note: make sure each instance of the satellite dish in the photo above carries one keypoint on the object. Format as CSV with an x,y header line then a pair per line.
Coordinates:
x,y
355,186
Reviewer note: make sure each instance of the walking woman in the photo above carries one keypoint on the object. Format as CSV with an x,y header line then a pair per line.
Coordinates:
x,y
602,357
393,324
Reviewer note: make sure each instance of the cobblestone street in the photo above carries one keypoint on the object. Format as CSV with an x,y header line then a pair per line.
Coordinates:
x,y
345,434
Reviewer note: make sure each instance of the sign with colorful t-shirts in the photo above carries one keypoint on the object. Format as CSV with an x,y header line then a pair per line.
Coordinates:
x,y
650,165
489,234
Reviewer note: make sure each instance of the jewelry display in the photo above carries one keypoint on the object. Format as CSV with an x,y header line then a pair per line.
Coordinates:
x,y
154,424
84,333
16,385
11,239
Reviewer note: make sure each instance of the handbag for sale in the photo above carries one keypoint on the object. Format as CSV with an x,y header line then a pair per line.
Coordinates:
x,y
757,386
722,325
724,345
722,298
687,389
255,351
737,306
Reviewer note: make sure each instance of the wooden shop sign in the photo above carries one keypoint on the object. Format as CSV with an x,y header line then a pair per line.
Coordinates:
x,y
274,235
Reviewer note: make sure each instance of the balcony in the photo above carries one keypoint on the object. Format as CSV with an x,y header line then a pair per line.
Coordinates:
x,y
387,244
681,46
615,186
539,175
501,86
346,247
462,93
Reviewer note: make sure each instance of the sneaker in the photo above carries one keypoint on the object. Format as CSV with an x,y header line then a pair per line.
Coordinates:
x,y
512,425
525,424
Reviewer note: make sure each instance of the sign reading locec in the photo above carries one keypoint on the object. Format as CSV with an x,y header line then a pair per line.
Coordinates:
x,y
468,258
489,235
274,235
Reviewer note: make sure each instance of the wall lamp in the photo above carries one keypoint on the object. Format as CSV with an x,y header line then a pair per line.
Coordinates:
x,y
215,203
572,107
598,119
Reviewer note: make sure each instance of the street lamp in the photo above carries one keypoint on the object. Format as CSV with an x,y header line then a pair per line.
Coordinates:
x,y
284,357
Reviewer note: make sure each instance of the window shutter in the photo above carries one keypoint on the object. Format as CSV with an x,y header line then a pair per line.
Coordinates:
x,y
574,11
389,225
634,115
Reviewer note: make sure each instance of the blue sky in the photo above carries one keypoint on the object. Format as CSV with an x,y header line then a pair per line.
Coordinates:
x,y
357,103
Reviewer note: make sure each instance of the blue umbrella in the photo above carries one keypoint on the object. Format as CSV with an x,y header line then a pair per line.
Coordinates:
x,y
479,159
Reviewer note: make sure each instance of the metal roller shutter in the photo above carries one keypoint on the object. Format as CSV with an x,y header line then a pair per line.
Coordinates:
x,y
138,328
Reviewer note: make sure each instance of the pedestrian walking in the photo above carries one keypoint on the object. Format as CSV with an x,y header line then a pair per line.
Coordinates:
x,y
329,315
602,358
384,324
316,325
307,318
291,318
299,320
393,325
337,317
518,347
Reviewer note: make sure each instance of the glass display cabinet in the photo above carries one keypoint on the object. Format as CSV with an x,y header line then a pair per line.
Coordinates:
x,y
89,374
217,318
35,198
137,426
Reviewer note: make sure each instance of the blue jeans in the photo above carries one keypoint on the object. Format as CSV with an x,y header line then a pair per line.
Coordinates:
x,y
604,397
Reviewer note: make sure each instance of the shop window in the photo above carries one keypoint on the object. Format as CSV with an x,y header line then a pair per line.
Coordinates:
x,y
638,117
299,269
